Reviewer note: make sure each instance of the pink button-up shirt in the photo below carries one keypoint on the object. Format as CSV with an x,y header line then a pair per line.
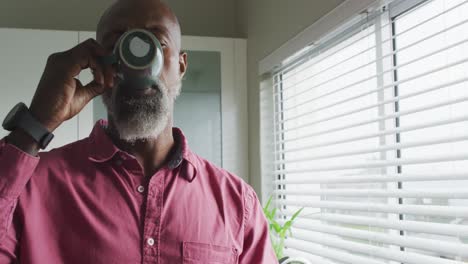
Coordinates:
x,y
89,202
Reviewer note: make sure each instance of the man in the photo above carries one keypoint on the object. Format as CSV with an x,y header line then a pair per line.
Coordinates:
x,y
132,192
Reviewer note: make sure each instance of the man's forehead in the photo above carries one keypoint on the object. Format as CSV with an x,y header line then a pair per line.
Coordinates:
x,y
126,14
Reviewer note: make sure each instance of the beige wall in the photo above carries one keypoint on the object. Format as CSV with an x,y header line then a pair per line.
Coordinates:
x,y
271,23
216,18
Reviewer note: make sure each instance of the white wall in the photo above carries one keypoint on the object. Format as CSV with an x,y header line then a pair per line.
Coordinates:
x,y
21,67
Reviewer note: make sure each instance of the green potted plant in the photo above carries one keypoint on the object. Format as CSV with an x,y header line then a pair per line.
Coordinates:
x,y
281,231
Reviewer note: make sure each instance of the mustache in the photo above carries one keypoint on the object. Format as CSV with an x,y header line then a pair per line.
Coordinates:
x,y
130,88
139,82
121,99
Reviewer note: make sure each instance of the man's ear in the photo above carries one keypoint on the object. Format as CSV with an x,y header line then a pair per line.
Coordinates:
x,y
183,63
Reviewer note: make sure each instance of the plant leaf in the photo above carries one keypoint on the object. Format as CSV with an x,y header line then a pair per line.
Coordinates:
x,y
287,225
276,226
296,214
267,206
273,213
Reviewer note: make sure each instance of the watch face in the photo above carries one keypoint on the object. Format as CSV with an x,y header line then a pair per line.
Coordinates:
x,y
9,123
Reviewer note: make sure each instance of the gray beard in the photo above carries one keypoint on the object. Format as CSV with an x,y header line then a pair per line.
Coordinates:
x,y
138,118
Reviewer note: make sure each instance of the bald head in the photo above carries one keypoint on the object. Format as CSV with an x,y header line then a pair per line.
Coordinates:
x,y
154,15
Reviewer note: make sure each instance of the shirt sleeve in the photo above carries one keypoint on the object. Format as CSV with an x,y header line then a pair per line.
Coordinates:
x,y
257,244
16,168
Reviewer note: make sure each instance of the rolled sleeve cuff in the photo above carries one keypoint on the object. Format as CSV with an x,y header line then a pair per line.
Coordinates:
x,y
16,168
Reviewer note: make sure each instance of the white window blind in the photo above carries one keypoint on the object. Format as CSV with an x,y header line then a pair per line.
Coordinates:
x,y
369,133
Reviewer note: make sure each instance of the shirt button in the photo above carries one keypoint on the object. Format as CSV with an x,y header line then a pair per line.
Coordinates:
x,y
141,189
150,241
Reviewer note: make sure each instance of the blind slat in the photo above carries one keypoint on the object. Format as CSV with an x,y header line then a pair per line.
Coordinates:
x,y
373,76
401,129
413,193
312,258
375,105
441,247
426,210
330,253
382,148
376,251
378,164
374,178
417,59
456,230
381,118
334,254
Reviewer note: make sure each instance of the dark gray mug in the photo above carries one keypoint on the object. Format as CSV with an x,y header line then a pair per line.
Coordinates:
x,y
138,57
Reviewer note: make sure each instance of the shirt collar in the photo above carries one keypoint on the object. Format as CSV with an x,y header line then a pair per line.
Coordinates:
x,y
102,149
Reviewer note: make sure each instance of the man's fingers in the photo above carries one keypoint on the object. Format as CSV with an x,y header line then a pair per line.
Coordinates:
x,y
96,70
109,73
94,46
89,91
87,55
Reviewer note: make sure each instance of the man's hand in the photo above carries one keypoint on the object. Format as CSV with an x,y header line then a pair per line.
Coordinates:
x,y
60,95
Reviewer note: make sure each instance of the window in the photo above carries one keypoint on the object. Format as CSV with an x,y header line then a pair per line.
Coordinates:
x,y
370,136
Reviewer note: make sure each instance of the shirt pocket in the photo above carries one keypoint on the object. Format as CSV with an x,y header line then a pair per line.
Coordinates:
x,y
202,253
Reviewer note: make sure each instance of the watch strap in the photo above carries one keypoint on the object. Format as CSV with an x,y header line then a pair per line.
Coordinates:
x,y
35,129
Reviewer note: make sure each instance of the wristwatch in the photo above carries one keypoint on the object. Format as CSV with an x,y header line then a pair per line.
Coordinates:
x,y
21,117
